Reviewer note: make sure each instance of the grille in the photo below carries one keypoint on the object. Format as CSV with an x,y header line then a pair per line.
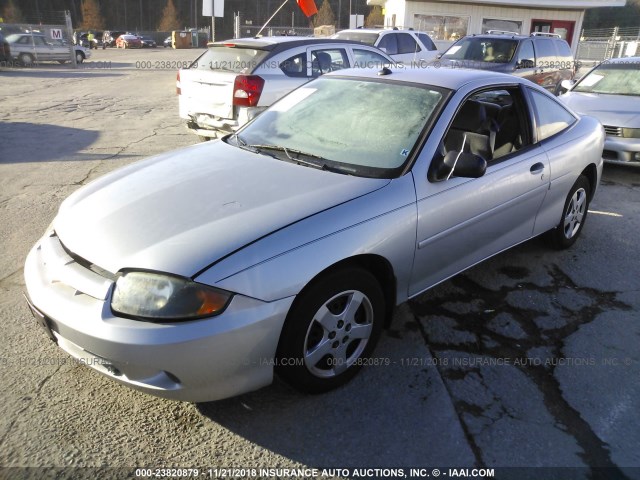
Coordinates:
x,y
613,131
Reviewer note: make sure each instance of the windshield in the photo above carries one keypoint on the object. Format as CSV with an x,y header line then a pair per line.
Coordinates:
x,y
613,79
361,127
230,59
492,50
364,37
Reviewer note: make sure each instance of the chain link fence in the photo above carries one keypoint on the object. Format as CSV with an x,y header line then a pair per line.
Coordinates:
x,y
602,44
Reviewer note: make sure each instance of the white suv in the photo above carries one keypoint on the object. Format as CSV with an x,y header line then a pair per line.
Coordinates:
x,y
235,80
404,46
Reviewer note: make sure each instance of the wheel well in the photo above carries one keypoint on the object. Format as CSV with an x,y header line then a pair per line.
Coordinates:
x,y
381,269
592,175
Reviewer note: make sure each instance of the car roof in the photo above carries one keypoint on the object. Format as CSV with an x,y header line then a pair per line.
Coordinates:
x,y
278,43
451,78
511,36
380,30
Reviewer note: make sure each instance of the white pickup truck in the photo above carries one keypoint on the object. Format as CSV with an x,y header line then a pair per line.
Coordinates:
x,y
235,80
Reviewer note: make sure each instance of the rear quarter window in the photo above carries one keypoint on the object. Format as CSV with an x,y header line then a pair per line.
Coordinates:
x,y
551,116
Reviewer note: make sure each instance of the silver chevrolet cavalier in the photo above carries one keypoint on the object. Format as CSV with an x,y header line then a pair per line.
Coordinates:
x,y
197,274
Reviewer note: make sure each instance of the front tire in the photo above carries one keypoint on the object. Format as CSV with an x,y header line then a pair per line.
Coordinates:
x,y
333,325
574,214
79,57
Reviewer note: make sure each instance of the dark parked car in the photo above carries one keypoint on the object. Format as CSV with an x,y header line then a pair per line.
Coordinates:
x,y
545,59
148,42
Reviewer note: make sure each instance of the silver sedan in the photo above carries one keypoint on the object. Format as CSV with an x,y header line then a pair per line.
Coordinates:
x,y
284,248
611,93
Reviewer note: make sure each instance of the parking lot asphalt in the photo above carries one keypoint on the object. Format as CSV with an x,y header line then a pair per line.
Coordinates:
x,y
530,359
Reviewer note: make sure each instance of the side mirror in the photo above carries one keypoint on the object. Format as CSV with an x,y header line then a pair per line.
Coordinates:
x,y
459,164
525,64
565,85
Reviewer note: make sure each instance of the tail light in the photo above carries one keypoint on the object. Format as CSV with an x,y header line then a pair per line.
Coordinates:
x,y
247,90
178,90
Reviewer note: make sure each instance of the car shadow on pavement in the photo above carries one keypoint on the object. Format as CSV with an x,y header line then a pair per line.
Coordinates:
x,y
22,142
86,71
390,415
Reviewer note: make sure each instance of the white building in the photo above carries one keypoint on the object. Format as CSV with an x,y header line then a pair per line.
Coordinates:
x,y
448,20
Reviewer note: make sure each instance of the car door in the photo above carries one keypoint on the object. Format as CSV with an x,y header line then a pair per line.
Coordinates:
x,y
321,60
60,51
43,50
525,62
462,221
546,74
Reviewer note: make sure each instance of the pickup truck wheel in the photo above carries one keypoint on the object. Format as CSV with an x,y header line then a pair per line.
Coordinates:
x,y
79,57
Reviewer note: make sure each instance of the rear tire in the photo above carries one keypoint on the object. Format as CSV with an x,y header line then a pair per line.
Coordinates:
x,y
331,329
574,214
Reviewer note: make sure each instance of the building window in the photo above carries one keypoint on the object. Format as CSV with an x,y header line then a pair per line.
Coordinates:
x,y
514,26
442,27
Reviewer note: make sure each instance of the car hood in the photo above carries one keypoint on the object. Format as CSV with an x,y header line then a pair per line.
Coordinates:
x,y
614,110
182,211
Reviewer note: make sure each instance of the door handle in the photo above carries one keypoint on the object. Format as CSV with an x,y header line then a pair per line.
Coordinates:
x,y
537,168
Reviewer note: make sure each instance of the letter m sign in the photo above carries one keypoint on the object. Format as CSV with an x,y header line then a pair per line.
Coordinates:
x,y
56,33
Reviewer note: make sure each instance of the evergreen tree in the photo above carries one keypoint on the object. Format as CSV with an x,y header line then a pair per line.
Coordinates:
x,y
325,15
170,20
11,13
609,17
375,17
91,17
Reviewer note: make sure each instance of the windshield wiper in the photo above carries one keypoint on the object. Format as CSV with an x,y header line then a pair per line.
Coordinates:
x,y
241,143
322,165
